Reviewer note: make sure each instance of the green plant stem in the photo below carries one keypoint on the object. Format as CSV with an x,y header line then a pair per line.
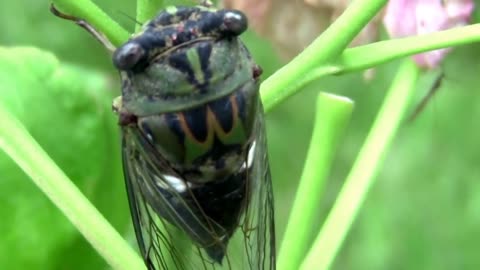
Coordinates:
x,y
365,168
377,53
327,46
371,55
332,115
147,9
90,12
25,151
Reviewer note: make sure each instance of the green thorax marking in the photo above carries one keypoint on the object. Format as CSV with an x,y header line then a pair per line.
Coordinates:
x,y
194,60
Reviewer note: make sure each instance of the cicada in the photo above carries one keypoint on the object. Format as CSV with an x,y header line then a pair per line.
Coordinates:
x,y
193,141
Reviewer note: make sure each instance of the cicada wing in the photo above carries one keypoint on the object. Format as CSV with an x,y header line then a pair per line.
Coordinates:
x,y
174,233
153,242
252,245
257,227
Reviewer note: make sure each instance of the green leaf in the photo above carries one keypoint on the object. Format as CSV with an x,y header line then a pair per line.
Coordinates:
x,y
68,111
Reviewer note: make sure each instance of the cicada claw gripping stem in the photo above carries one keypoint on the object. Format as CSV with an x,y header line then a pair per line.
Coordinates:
x,y
85,25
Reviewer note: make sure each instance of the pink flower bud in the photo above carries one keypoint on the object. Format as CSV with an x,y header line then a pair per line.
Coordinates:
x,y
417,17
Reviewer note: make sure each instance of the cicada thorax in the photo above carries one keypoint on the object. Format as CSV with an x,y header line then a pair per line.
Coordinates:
x,y
191,88
207,146
206,142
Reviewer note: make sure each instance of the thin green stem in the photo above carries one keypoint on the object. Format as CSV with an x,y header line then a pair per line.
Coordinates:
x,y
25,151
371,55
327,46
332,115
377,53
90,12
365,168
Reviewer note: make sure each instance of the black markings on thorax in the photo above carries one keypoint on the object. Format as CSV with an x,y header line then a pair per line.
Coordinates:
x,y
198,78
196,119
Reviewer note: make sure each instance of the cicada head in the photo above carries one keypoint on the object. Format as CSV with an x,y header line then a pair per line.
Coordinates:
x,y
182,58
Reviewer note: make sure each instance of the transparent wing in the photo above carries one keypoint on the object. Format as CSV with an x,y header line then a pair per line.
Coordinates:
x,y
172,228
257,227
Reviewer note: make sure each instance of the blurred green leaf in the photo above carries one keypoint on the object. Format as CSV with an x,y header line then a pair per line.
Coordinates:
x,y
67,110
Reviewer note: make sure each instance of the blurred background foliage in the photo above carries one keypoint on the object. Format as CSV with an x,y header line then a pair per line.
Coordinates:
x,y
422,213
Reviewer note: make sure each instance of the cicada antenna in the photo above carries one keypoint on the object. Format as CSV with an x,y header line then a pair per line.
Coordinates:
x,y
85,25
433,90
130,18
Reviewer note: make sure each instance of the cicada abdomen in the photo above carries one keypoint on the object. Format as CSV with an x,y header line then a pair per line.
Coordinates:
x,y
193,140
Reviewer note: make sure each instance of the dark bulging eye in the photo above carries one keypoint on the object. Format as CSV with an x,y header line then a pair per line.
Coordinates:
x,y
128,56
234,22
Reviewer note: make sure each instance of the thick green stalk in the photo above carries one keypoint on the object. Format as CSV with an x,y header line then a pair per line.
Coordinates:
x,y
374,54
25,151
365,168
327,46
332,115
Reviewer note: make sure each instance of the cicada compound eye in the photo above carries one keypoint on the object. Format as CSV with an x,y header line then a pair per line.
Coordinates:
x,y
235,22
128,56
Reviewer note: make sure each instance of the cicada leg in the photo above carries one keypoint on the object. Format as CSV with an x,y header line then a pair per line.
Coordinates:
x,y
85,25
433,90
